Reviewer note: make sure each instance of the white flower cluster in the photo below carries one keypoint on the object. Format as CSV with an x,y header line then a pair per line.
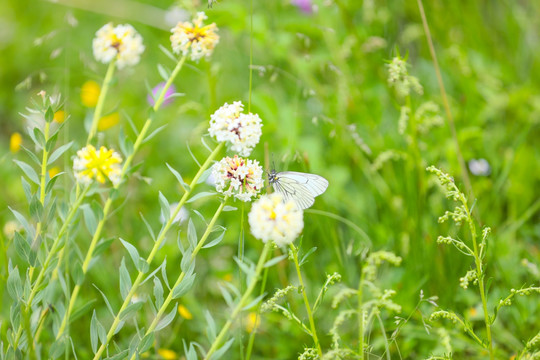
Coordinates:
x,y
399,78
241,131
238,177
271,219
200,40
121,42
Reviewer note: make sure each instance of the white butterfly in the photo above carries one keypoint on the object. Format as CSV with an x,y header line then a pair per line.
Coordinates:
x,y
300,187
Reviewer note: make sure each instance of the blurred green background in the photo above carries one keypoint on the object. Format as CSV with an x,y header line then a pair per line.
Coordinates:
x,y
320,86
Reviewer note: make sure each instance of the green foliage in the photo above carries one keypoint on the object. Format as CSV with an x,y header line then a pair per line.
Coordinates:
x,y
347,91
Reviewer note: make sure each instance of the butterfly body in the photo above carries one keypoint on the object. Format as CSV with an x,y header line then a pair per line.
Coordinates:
x,y
300,187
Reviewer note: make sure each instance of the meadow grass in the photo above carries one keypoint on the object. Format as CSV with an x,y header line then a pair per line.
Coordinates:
x,y
418,249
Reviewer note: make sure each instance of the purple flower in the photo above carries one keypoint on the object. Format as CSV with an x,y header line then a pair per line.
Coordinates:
x,y
156,91
303,5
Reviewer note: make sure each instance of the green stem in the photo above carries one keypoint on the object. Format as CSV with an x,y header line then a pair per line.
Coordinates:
x,y
480,277
182,275
254,331
360,295
101,100
294,252
449,116
243,302
175,72
44,161
156,247
56,244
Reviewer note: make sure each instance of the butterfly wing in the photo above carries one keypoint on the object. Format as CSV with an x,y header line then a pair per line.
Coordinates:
x,y
299,187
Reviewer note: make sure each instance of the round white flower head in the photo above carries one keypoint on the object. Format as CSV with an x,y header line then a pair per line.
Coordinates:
x,y
121,42
238,177
241,131
100,165
272,219
195,38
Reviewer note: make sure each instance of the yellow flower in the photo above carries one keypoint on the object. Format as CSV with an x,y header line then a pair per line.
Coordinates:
x,y
228,277
59,116
53,171
90,93
15,142
194,37
184,312
252,321
108,121
168,354
102,164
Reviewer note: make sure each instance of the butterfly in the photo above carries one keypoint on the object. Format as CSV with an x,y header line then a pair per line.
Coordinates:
x,y
297,186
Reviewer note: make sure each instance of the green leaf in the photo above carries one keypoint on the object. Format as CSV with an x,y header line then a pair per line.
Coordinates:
x,y
184,286
192,234
102,246
130,310
125,280
38,137
58,152
51,142
206,173
178,177
146,342
275,260
254,302
222,350
158,292
14,285
229,208
148,227
57,348
132,252
51,182
211,328
168,53
36,208
165,207
163,72
49,114
215,241
77,273
154,133
89,218
22,246
94,324
304,258
201,195
167,319
28,171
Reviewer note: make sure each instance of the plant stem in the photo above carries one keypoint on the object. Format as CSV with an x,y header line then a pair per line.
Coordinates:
x,y
156,247
360,295
449,116
182,275
217,341
480,277
175,72
56,244
254,331
101,100
294,252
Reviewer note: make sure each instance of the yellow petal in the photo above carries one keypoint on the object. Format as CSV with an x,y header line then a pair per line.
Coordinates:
x,y
252,321
108,121
167,354
53,171
15,142
184,312
59,116
90,93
